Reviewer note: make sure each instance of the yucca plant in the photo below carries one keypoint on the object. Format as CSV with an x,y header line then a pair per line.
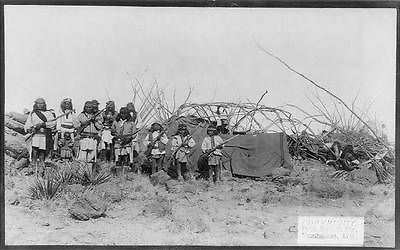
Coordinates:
x,y
45,188
86,176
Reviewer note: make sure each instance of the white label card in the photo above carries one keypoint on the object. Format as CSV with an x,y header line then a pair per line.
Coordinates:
x,y
330,231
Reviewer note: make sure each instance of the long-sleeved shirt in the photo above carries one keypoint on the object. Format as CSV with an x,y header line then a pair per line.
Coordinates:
x,y
93,128
121,128
177,141
39,138
66,123
163,140
211,142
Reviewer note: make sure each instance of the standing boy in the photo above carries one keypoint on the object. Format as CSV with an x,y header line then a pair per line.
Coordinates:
x,y
211,146
182,143
155,141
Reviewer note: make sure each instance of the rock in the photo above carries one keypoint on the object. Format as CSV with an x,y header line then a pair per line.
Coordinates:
x,y
14,125
22,163
363,176
14,144
385,209
21,118
172,186
377,189
326,187
188,188
280,171
281,189
293,229
197,225
226,175
87,207
159,178
15,202
109,191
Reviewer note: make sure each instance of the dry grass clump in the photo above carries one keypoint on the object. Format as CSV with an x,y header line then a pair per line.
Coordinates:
x,y
140,188
326,187
159,207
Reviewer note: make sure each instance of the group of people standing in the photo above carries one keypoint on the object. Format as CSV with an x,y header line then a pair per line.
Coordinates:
x,y
108,135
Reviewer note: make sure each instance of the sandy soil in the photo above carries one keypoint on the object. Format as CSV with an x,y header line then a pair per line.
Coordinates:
x,y
236,212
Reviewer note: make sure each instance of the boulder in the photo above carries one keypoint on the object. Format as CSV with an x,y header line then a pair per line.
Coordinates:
x,y
326,187
172,186
109,191
364,176
14,125
280,171
159,178
21,118
14,144
87,207
22,163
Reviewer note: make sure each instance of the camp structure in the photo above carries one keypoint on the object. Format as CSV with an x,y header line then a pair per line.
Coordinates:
x,y
253,155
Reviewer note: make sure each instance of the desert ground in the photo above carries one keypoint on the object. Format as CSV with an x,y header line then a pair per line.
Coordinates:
x,y
238,211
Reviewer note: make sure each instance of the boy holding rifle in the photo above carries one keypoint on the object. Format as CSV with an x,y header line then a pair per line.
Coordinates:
x,y
155,141
182,143
211,147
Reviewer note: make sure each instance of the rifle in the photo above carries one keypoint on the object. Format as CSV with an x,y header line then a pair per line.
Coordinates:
x,y
210,151
122,137
39,125
150,147
183,144
87,123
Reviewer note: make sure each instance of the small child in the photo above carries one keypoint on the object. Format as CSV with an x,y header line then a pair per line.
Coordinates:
x,y
214,158
156,143
182,143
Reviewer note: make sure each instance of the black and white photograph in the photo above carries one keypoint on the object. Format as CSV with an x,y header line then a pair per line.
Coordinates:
x,y
199,126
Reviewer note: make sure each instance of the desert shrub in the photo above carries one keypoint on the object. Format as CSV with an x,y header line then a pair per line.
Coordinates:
x,y
160,207
45,188
86,176
326,187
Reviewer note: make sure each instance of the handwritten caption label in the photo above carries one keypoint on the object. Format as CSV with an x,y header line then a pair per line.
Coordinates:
x,y
330,231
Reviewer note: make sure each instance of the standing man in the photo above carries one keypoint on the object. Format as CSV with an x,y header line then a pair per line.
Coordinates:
x,y
88,127
135,165
106,144
155,141
123,129
65,138
40,124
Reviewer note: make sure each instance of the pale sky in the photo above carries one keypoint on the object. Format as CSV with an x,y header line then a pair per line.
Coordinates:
x,y
56,52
